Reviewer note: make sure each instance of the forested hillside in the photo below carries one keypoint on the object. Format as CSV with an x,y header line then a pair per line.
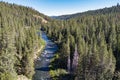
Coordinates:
x,y
90,12
96,35
19,40
89,43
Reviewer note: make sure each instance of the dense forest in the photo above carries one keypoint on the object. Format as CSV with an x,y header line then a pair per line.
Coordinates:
x,y
19,29
89,43
93,36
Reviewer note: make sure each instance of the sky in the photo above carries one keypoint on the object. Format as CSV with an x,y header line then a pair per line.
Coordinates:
x,y
62,7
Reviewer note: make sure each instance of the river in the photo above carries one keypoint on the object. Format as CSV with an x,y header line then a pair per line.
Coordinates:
x,y
42,63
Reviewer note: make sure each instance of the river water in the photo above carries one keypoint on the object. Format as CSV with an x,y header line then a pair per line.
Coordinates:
x,y
42,63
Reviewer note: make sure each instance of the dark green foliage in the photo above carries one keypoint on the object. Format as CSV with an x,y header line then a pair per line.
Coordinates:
x,y
18,40
96,34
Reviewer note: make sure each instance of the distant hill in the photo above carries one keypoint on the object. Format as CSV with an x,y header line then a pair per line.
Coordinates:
x,y
113,9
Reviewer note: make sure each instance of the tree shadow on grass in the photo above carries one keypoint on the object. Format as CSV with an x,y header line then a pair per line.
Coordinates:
x,y
43,69
61,64
64,77
58,63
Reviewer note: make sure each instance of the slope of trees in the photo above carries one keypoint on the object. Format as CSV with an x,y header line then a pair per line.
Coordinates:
x,y
96,34
106,10
18,40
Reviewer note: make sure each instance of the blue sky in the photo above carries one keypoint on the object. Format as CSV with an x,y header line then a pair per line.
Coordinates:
x,y
61,7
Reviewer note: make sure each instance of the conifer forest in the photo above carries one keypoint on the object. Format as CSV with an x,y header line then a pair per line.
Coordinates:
x,y
87,44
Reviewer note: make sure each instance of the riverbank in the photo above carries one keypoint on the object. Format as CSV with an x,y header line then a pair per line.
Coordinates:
x,y
36,54
32,59
22,77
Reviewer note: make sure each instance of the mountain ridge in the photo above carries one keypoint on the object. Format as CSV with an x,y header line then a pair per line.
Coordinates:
x,y
89,12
